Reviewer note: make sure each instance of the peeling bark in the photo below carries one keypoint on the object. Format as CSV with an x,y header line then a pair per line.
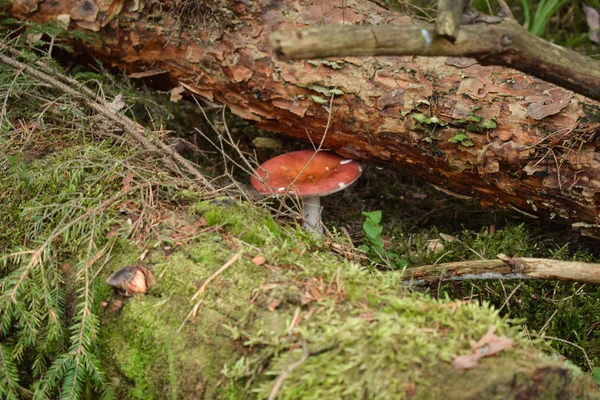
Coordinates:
x,y
488,132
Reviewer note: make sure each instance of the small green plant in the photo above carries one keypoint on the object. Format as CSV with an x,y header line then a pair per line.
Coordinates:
x,y
461,138
544,11
375,247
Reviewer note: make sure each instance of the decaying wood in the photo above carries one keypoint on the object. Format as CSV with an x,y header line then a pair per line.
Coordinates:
x,y
504,43
448,18
507,268
493,133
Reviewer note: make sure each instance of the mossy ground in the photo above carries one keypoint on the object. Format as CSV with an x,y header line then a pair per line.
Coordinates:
x,y
367,335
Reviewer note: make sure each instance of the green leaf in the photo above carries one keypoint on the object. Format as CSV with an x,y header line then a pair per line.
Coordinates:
x,y
319,100
489,124
374,216
596,374
461,138
372,230
421,118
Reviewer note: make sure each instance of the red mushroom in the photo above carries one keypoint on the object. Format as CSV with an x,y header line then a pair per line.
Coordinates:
x,y
308,175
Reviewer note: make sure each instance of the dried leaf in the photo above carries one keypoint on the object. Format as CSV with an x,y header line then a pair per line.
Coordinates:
x,y
117,104
447,238
274,304
259,260
63,20
33,38
114,231
127,182
268,286
465,362
146,74
28,5
176,93
592,17
434,246
488,345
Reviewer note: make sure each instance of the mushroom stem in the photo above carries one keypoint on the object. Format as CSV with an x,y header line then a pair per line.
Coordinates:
x,y
312,214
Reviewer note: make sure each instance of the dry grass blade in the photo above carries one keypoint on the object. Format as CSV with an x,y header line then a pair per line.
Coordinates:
x,y
213,276
288,370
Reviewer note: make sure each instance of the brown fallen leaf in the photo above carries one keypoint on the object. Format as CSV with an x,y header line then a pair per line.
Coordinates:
x,y
258,260
592,17
114,231
147,74
434,246
117,104
127,182
274,304
176,93
488,345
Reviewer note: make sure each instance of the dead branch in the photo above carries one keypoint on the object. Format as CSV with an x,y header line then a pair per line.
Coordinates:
x,y
507,268
448,17
505,43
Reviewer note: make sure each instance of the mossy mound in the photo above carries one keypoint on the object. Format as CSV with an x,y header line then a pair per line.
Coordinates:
x,y
332,329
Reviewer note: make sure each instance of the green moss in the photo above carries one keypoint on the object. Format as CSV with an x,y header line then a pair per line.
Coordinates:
x,y
241,220
368,336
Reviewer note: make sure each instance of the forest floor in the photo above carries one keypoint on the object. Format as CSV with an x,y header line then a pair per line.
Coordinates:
x,y
243,301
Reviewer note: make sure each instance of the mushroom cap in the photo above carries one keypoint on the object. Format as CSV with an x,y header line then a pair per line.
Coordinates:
x,y
121,276
131,279
325,174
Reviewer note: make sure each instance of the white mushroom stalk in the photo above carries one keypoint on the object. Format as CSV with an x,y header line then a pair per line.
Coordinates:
x,y
312,214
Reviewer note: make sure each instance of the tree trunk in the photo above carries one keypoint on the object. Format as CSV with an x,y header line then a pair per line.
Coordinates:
x,y
488,132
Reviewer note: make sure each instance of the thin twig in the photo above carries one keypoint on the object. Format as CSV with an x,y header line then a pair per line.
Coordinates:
x,y
191,314
587,359
288,371
506,302
219,272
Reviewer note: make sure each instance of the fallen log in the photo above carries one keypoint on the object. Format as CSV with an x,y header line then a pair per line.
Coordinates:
x,y
488,132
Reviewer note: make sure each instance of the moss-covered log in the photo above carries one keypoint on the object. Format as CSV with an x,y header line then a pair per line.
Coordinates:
x,y
361,335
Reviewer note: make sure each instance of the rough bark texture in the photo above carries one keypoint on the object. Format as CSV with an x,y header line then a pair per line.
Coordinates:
x,y
500,42
487,132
